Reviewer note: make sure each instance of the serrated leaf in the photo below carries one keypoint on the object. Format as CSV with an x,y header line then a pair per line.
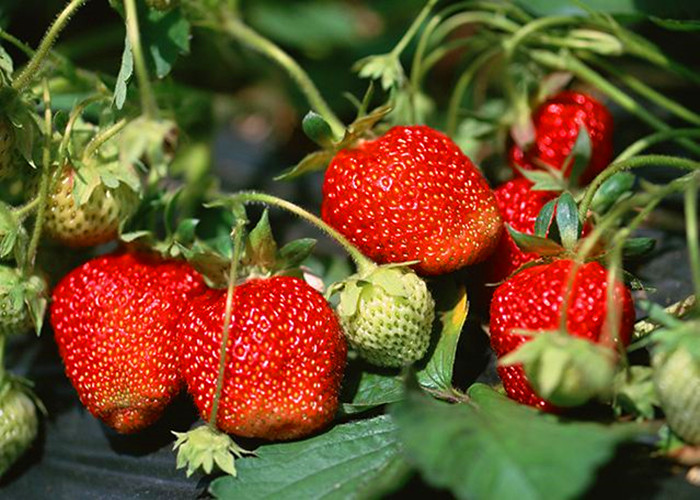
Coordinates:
x,y
568,222
317,129
451,309
337,464
375,389
544,218
579,158
126,70
384,67
318,160
493,448
534,244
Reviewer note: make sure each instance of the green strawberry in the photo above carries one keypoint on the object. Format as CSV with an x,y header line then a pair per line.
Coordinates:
x,y
387,314
22,301
676,364
19,423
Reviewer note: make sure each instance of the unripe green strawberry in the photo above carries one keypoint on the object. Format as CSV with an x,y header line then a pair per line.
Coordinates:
x,y
18,423
387,315
7,144
677,383
19,298
95,221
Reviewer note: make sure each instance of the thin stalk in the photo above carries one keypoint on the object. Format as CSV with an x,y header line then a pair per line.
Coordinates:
x,y
244,34
2,360
237,237
103,137
486,18
27,208
46,43
461,87
631,163
572,64
75,114
691,228
645,142
43,183
530,28
26,49
148,100
646,91
362,262
408,36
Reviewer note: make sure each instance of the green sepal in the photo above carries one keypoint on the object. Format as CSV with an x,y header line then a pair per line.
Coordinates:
x,y
36,301
563,369
579,157
545,218
295,252
205,448
535,244
6,68
13,236
313,162
637,247
260,246
634,393
547,179
317,129
568,223
617,187
150,140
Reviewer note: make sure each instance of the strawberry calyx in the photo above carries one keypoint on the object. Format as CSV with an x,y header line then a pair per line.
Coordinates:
x,y
563,369
205,447
23,301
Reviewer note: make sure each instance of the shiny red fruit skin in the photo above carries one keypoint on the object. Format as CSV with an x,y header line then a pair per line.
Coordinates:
x,y
285,358
519,206
412,195
532,300
557,122
114,320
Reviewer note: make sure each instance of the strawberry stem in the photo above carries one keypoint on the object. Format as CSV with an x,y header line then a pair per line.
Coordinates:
x,y
148,101
362,262
691,228
410,33
629,164
237,237
43,183
102,137
648,141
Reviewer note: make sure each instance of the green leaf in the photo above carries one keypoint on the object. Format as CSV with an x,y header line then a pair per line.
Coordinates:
x,y
6,67
492,448
568,222
680,9
612,190
579,158
544,218
165,36
375,389
317,129
534,244
85,180
384,67
676,25
337,464
312,162
634,392
126,70
451,308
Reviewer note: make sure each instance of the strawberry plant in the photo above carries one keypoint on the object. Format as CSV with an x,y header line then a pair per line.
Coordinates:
x,y
474,197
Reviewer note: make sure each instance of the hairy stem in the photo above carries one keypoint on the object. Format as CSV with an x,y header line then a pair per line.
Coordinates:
x,y
26,49
148,100
362,262
648,141
46,43
103,137
237,237
628,164
244,34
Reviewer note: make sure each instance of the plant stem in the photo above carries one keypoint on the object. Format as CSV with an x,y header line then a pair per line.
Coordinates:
x,y
570,63
634,162
26,49
103,137
691,228
43,183
645,142
148,101
647,92
512,43
362,262
236,29
46,43
27,208
237,237
75,114
406,38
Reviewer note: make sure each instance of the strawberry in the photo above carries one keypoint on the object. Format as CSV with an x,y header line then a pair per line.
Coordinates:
x,y
387,315
557,122
7,145
676,373
115,321
284,360
532,300
412,195
19,422
95,221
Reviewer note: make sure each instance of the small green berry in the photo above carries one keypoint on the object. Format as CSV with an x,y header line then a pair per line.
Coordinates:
x,y
19,423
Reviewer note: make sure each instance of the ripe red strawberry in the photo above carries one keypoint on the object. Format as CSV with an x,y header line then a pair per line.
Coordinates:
x,y
284,363
519,206
532,300
412,195
557,122
115,321
95,221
